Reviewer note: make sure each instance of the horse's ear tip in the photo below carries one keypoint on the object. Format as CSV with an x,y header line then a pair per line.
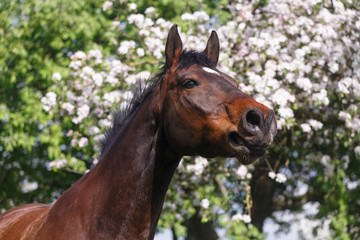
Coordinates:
x,y
174,26
213,33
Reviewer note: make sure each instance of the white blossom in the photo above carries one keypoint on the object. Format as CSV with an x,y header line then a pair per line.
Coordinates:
x,y
280,178
140,52
56,76
98,79
246,218
321,97
68,107
148,22
239,217
282,97
105,123
74,142
325,160
112,80
27,186
315,124
95,161
272,175
199,166
132,6
354,125
348,84
333,67
205,203
149,10
98,138
126,46
112,97
305,127
304,83
88,70
131,79
75,64
325,15
78,55
83,142
344,115
48,101
357,150
201,16
188,17
116,24
285,112
107,5
93,130
242,171
58,163
82,113
137,19
94,53
69,133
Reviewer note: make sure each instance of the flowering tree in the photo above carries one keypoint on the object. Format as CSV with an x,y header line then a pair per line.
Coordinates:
x,y
301,58
36,40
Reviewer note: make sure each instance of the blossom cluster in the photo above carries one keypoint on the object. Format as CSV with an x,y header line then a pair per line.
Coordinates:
x,y
279,177
240,217
199,166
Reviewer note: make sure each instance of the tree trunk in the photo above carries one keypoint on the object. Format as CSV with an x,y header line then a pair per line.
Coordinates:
x,y
262,192
174,236
197,230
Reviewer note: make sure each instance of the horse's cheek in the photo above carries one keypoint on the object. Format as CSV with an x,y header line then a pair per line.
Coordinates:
x,y
182,136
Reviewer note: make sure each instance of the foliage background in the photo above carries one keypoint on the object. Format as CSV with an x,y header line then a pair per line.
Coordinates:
x,y
65,64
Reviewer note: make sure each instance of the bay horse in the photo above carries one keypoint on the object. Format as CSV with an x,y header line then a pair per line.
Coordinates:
x,y
190,108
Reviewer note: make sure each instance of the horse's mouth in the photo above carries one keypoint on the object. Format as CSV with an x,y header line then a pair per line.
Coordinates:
x,y
244,151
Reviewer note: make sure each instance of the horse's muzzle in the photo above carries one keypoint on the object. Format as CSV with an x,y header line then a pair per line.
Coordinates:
x,y
256,132
258,129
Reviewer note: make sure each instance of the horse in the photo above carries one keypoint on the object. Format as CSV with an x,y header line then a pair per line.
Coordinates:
x,y
189,108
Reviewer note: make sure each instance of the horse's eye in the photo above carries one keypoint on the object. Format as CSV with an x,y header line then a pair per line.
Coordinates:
x,y
190,83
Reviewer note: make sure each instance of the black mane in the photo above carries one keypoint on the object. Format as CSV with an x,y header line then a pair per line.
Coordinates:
x,y
187,59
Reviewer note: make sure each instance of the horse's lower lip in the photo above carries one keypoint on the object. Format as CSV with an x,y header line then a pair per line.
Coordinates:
x,y
240,145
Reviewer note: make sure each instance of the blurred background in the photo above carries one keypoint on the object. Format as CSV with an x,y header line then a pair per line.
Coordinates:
x,y
64,65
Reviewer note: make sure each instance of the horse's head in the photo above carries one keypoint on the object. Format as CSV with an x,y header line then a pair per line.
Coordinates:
x,y
205,113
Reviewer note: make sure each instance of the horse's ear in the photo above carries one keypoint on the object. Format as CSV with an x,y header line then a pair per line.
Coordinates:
x,y
213,47
173,47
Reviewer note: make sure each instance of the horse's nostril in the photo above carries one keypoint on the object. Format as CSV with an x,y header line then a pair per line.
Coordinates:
x,y
253,118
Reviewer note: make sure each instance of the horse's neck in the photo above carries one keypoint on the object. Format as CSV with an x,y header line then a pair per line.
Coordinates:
x,y
122,196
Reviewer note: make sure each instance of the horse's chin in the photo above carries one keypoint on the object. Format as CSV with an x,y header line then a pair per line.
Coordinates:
x,y
246,159
245,153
